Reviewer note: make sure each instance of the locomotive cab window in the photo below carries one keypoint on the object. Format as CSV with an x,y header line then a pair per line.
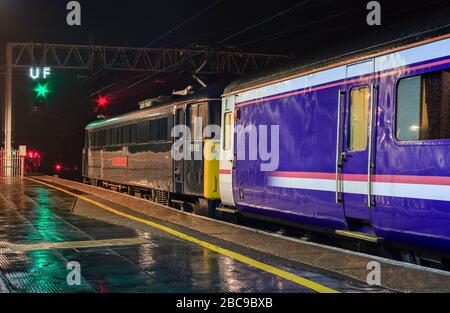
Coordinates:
x,y
423,107
198,120
359,118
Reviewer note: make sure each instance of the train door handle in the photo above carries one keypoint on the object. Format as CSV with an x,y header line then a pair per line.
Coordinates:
x,y
344,156
233,162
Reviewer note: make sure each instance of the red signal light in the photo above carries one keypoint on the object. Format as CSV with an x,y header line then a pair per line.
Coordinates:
x,y
58,167
33,154
102,101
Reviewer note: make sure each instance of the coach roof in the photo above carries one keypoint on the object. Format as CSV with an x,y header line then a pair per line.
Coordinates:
x,y
345,53
213,92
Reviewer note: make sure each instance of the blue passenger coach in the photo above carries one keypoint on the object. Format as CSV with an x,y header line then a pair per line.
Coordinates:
x,y
364,145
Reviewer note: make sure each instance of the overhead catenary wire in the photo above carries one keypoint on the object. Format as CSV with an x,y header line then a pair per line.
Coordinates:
x,y
115,84
264,21
288,30
191,18
183,23
219,42
274,35
215,32
237,34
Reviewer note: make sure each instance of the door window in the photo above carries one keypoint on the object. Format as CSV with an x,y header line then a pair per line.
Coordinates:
x,y
228,132
358,118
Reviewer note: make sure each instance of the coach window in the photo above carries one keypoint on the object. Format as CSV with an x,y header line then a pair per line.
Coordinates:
x,y
133,133
111,136
108,137
143,129
114,136
358,118
423,107
119,135
97,139
162,133
126,134
102,139
154,130
228,132
91,140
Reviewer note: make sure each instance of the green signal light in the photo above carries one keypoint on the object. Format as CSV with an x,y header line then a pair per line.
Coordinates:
x,y
42,90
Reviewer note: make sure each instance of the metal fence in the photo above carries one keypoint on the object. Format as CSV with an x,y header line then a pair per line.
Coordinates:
x,y
11,164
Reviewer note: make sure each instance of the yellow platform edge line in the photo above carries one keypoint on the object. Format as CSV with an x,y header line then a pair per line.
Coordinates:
x,y
239,257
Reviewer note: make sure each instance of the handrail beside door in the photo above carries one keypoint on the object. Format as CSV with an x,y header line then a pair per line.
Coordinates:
x,y
370,163
339,152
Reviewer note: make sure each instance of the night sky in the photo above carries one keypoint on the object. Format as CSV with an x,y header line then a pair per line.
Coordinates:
x,y
314,26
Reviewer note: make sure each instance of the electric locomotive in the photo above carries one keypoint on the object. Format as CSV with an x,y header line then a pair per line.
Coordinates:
x,y
134,152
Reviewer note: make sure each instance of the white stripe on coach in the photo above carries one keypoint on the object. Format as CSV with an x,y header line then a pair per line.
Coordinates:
x,y
390,61
303,183
415,191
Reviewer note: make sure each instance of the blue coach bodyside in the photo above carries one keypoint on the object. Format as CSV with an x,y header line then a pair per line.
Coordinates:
x,y
307,145
403,197
420,169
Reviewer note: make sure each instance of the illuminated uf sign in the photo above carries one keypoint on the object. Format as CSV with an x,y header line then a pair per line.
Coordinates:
x,y
37,72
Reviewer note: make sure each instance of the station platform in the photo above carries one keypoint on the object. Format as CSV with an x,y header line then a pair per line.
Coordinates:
x,y
126,244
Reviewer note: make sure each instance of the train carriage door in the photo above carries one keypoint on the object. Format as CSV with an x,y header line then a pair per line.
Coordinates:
x,y
196,119
178,165
227,151
358,143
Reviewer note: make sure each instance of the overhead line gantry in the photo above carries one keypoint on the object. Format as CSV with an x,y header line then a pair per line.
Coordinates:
x,y
95,57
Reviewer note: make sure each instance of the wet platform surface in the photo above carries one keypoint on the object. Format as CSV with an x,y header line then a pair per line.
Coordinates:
x,y
42,230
